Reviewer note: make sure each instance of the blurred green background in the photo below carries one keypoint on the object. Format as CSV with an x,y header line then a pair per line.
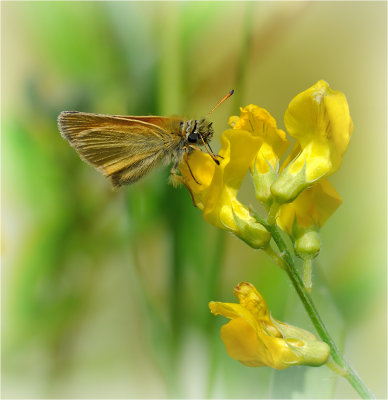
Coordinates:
x,y
104,294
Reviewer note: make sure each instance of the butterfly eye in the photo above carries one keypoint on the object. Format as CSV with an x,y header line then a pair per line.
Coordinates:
x,y
193,137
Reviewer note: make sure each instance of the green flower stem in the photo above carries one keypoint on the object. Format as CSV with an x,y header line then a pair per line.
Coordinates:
x,y
272,213
275,257
349,373
307,273
335,367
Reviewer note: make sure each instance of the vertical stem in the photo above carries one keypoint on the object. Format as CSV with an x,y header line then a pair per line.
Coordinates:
x,y
273,212
307,273
350,374
278,260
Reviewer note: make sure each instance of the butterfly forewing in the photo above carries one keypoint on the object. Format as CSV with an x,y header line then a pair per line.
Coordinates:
x,y
121,147
169,124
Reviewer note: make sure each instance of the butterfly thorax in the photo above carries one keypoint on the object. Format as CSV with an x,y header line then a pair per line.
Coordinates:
x,y
196,131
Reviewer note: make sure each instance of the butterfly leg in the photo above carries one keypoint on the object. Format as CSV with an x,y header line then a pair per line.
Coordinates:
x,y
175,178
186,158
175,168
193,146
212,155
217,155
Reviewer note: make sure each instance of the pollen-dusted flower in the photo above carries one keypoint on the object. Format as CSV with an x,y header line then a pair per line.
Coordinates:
x,y
216,191
256,339
303,217
274,143
319,120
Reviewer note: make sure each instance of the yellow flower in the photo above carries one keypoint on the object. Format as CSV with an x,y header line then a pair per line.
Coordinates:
x,y
311,208
261,124
216,193
319,120
303,217
256,339
273,144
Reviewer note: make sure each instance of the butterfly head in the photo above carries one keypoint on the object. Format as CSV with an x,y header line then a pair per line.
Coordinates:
x,y
198,131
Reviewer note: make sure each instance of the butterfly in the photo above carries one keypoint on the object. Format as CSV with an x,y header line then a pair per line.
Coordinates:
x,y
126,148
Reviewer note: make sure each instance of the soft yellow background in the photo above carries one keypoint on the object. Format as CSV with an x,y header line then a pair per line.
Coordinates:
x,y
104,294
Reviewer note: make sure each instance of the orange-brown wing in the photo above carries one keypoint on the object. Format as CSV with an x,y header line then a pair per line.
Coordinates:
x,y
121,148
169,124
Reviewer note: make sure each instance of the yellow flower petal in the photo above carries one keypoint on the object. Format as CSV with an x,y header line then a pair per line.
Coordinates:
x,y
261,124
256,339
265,165
239,148
252,300
319,120
237,151
242,344
202,167
295,151
303,217
311,208
233,311
321,115
217,193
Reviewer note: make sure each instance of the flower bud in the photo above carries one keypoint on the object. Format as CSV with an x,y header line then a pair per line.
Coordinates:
x,y
250,231
308,244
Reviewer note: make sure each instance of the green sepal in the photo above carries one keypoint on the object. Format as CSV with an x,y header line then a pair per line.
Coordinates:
x,y
251,232
308,348
262,183
288,186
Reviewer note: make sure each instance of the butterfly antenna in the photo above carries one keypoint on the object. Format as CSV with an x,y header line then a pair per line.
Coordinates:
x,y
220,102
